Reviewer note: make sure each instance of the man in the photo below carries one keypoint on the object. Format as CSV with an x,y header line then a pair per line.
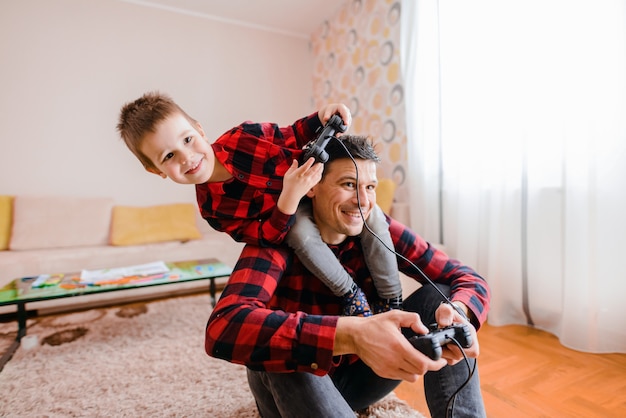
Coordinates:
x,y
304,359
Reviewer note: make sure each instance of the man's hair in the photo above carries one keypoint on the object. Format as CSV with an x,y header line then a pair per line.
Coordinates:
x,y
142,116
359,147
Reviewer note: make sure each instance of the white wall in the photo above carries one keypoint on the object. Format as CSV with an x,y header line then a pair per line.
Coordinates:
x,y
67,66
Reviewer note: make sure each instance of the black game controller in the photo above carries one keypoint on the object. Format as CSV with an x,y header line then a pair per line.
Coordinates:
x,y
315,148
431,343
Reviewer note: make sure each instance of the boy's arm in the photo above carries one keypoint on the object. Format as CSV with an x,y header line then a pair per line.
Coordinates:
x,y
299,180
307,128
272,226
303,130
262,232
263,229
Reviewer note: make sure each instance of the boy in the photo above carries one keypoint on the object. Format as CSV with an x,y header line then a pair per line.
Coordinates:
x,y
249,185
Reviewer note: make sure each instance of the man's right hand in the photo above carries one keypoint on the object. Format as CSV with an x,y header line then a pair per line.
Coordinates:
x,y
377,341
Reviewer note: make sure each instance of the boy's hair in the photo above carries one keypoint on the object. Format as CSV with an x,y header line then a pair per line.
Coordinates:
x,y
359,147
142,116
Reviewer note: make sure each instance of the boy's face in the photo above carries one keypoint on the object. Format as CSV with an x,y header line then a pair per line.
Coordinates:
x,y
179,150
335,207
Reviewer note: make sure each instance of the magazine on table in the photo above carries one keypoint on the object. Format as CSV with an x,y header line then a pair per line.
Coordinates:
x,y
93,276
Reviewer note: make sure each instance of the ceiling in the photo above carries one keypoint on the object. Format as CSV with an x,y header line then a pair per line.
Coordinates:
x,y
292,17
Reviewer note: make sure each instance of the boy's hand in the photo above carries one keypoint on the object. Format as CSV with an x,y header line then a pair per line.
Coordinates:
x,y
342,110
296,183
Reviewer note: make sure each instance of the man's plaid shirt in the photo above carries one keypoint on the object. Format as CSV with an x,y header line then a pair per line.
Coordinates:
x,y
274,315
257,155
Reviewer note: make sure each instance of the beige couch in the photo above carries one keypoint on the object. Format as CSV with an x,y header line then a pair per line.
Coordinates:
x,y
57,234
53,234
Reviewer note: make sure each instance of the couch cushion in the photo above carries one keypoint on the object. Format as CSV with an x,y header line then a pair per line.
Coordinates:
x,y
57,222
385,191
142,225
6,220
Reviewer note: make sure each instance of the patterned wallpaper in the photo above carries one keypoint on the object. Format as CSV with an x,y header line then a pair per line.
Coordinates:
x,y
357,62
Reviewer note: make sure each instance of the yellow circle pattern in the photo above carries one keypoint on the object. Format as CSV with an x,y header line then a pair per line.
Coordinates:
x,y
357,62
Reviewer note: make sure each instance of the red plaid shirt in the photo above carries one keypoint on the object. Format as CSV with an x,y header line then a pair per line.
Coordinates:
x,y
257,155
274,315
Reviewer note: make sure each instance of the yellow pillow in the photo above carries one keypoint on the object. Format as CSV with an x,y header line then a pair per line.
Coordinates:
x,y
6,221
384,194
142,225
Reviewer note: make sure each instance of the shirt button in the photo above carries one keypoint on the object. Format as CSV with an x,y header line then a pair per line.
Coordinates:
x,y
240,176
269,183
314,366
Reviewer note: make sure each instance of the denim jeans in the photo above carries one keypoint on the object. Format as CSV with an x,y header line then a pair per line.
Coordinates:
x,y
355,386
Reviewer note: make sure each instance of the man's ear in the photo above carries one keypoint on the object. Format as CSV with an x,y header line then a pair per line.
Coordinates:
x,y
311,192
157,172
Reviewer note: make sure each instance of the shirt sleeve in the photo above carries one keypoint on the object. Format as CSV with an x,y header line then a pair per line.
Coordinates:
x,y
466,285
306,129
257,155
264,232
243,330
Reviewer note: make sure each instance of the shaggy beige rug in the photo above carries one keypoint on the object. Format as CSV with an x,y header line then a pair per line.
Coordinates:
x,y
139,360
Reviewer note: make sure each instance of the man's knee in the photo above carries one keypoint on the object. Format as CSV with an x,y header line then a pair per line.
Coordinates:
x,y
297,394
426,300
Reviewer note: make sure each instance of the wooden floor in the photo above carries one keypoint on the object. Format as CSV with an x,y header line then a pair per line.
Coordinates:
x,y
525,372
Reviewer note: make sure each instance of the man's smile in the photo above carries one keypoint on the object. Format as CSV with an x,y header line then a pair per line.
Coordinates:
x,y
352,213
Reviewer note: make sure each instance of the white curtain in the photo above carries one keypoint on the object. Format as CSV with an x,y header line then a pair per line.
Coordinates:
x,y
516,117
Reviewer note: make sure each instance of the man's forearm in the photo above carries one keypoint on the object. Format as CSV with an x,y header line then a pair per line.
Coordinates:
x,y
346,328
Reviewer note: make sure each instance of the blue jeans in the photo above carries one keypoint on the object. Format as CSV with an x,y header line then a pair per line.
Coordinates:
x,y
356,386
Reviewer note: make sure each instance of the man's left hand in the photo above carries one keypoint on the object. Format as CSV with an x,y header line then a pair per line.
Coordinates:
x,y
445,316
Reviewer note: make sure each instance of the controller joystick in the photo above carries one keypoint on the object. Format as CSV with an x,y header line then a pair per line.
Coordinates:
x,y
316,147
431,344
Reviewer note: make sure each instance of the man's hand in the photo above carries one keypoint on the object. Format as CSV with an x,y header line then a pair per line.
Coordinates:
x,y
445,316
377,341
296,183
328,111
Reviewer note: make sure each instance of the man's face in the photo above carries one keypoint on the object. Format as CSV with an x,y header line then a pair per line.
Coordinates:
x,y
334,198
180,151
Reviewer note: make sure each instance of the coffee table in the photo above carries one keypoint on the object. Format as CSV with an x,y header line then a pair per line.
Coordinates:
x,y
26,290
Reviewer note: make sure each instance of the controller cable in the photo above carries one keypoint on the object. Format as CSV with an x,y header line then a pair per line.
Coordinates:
x,y
471,370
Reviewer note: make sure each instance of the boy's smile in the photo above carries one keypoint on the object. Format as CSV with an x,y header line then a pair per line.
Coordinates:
x,y
179,151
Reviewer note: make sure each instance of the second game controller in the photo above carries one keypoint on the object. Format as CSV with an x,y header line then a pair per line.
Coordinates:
x,y
315,148
431,344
